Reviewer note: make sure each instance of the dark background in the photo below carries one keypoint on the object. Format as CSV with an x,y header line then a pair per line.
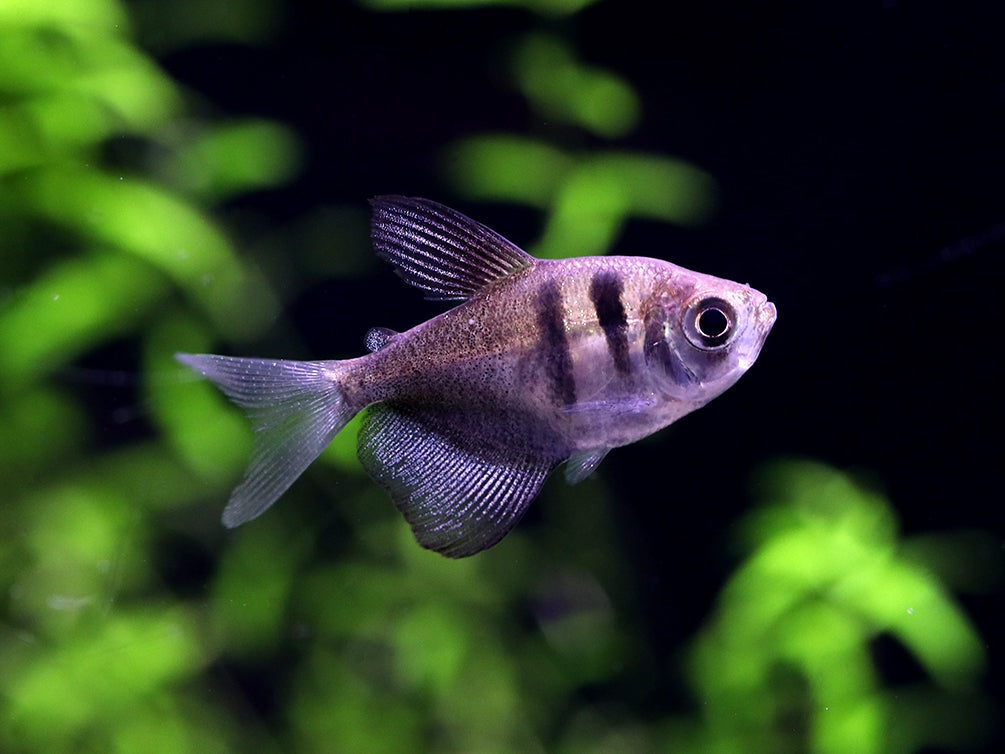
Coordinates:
x,y
858,149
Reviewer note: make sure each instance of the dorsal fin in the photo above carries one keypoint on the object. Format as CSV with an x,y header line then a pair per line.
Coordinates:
x,y
441,251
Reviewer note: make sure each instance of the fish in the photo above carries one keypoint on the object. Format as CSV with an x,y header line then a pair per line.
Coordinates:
x,y
543,362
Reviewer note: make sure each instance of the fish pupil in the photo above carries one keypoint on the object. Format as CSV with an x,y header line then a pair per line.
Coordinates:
x,y
712,323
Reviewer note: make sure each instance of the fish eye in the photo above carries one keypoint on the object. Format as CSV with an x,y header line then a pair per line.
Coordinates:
x,y
709,323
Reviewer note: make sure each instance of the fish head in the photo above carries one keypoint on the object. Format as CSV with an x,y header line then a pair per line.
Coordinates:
x,y
702,333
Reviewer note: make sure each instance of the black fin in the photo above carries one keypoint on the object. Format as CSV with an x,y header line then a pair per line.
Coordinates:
x,y
378,337
439,250
296,409
457,502
581,465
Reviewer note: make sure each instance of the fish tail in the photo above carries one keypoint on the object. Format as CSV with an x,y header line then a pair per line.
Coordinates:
x,y
296,409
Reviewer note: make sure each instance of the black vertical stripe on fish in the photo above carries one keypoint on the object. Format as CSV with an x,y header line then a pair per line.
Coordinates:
x,y
605,293
554,344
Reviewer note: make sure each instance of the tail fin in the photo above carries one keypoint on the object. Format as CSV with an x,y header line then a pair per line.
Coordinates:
x,y
296,409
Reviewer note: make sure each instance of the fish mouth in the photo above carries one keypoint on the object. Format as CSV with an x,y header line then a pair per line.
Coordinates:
x,y
767,314
764,318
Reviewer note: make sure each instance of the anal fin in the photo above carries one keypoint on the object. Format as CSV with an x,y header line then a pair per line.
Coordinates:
x,y
459,496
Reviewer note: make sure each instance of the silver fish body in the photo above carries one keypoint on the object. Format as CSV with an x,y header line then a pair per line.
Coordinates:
x,y
544,362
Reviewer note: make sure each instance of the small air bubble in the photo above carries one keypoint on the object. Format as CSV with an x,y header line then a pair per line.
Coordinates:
x,y
66,602
55,297
910,611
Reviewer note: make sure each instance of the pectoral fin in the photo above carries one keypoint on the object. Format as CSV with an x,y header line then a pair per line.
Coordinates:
x,y
458,500
581,465
629,405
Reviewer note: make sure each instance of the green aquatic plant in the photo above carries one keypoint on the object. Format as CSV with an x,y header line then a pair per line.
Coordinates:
x,y
587,195
787,663
97,251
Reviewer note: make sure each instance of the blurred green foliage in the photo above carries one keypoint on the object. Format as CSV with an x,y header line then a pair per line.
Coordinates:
x,y
561,87
544,7
786,662
340,634
587,195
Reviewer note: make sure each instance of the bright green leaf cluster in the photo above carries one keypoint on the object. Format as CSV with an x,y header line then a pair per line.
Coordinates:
x,y
792,634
